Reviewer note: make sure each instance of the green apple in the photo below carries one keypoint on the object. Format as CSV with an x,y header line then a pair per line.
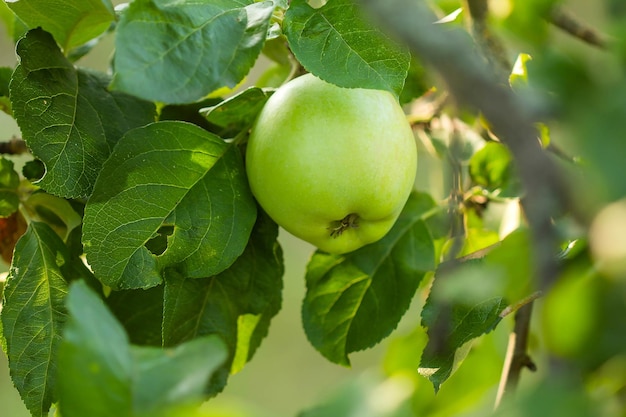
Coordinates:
x,y
333,166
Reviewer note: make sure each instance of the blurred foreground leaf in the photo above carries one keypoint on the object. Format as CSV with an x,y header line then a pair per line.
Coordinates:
x,y
72,24
133,381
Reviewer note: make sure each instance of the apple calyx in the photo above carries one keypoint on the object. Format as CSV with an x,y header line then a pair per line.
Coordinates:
x,y
337,227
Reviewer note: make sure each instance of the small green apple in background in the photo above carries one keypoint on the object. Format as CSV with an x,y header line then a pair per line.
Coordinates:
x,y
333,166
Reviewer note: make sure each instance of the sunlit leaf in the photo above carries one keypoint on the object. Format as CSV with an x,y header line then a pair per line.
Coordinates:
x,y
72,23
176,180
33,314
9,181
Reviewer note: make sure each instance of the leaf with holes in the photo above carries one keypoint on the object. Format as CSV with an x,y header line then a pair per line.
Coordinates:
x,y
170,195
67,117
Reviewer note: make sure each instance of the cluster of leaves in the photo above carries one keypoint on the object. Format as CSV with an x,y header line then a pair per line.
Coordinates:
x,y
138,173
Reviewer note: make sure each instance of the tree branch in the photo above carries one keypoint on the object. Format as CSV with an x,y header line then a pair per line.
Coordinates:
x,y
490,45
569,23
15,146
473,84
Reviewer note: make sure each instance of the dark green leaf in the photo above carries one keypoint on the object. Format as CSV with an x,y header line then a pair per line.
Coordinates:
x,y
465,302
33,314
338,45
353,301
171,174
67,117
238,112
34,170
113,375
9,181
187,48
237,304
190,113
141,314
72,22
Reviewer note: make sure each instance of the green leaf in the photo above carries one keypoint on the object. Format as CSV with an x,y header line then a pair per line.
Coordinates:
x,y
338,45
238,112
465,302
187,48
519,74
33,314
237,304
55,211
71,22
353,301
141,314
492,167
15,28
9,181
177,176
67,117
113,375
190,113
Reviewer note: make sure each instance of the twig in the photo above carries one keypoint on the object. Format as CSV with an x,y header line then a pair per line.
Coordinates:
x,y
15,146
569,23
517,306
517,357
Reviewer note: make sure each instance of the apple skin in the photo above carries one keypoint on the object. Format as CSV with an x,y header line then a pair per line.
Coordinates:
x,y
333,166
